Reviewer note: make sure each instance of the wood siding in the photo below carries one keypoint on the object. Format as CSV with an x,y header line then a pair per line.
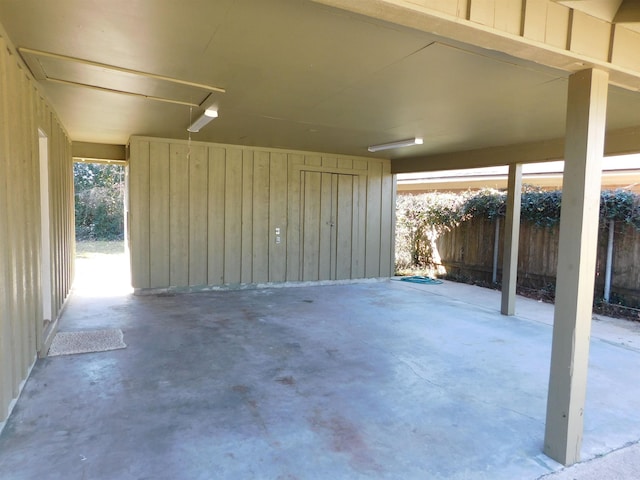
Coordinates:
x,y
208,215
467,252
22,328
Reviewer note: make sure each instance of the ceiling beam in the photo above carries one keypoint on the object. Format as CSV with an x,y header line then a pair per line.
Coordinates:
x,y
617,142
629,12
458,28
98,152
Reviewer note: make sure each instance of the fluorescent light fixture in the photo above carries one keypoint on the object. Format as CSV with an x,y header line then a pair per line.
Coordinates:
x,y
208,115
402,143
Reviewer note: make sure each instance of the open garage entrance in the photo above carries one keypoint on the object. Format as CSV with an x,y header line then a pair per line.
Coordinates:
x,y
101,262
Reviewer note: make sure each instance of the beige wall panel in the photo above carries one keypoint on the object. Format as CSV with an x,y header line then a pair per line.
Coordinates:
x,y
278,217
294,219
345,163
6,305
483,12
16,222
344,226
21,113
139,214
32,239
360,164
361,247
313,160
508,16
387,223
558,25
451,7
198,229
233,217
326,227
327,208
355,228
56,215
590,36
373,231
217,174
159,212
246,272
626,48
294,214
178,215
329,162
310,232
535,19
261,237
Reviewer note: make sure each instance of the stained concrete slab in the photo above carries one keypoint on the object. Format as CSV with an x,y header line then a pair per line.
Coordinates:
x,y
380,380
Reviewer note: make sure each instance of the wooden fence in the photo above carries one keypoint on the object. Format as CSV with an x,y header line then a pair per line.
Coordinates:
x,y
467,252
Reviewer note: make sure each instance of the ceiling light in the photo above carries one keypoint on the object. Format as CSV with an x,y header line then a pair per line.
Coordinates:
x,y
402,143
208,115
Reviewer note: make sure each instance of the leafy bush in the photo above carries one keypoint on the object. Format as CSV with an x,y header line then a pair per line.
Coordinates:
x,y
422,218
99,207
540,207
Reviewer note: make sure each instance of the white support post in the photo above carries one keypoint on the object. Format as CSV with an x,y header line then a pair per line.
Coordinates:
x,y
584,148
511,240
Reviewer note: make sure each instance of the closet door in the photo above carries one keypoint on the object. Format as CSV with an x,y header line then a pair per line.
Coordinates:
x,y
328,225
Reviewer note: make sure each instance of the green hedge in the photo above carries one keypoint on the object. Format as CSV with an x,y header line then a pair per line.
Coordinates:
x,y
421,218
99,201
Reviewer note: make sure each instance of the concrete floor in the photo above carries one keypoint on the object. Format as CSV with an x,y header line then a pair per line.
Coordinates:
x,y
376,380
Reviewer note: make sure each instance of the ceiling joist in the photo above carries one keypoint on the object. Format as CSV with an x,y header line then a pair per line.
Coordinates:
x,y
25,52
617,142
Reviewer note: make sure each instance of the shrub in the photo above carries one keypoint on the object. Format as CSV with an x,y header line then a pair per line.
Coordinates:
x,y
422,218
99,193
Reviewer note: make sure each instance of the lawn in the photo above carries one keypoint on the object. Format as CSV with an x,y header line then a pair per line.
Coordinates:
x,y
90,249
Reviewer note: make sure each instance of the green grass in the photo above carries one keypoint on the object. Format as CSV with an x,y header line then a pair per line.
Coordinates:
x,y
88,249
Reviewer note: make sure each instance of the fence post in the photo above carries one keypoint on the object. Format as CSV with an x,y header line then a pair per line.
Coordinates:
x,y
496,246
607,276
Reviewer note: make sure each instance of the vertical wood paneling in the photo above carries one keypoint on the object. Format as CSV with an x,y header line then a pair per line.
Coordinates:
x,y
21,315
178,215
261,238
394,221
329,162
590,36
294,220
278,217
483,11
6,304
360,252
311,225
344,226
326,227
233,217
198,228
246,273
216,247
17,224
329,211
139,214
626,45
387,224
356,233
159,213
535,20
374,197
508,16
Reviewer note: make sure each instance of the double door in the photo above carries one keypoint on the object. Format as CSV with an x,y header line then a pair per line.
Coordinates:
x,y
329,225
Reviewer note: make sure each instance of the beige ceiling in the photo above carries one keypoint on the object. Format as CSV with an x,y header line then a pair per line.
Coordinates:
x,y
297,75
